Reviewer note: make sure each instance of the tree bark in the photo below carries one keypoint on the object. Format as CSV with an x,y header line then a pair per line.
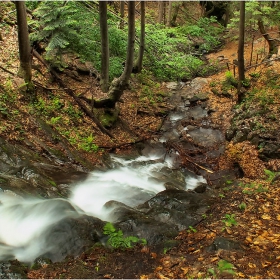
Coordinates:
x,y
122,14
160,11
120,84
139,63
272,46
169,14
104,81
241,66
24,43
175,14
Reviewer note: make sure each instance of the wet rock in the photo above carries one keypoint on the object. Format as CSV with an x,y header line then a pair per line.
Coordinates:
x,y
207,137
270,150
72,236
12,270
201,188
224,244
196,113
221,178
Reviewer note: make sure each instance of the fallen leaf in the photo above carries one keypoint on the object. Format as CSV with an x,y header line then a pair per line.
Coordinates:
x,y
266,217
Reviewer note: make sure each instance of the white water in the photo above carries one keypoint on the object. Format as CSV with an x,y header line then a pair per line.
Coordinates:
x,y
24,222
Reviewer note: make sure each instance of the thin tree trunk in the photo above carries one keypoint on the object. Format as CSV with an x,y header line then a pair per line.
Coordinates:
x,y
160,11
104,81
122,14
120,84
24,43
139,63
241,66
272,46
130,45
169,14
175,14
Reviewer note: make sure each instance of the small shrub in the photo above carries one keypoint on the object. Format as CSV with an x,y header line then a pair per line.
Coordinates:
x,y
117,240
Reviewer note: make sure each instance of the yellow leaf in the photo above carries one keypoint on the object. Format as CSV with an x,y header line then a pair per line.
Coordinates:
x,y
252,265
266,264
229,231
185,269
278,217
266,217
249,239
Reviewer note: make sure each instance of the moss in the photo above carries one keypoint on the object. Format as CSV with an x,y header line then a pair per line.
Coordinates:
x,y
109,117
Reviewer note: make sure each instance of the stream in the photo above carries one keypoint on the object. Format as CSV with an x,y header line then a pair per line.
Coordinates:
x,y
148,195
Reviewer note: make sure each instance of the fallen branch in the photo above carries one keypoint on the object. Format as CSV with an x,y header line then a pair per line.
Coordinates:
x,y
6,70
72,94
172,145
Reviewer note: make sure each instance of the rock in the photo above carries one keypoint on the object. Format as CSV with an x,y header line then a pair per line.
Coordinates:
x,y
172,85
201,188
240,136
224,244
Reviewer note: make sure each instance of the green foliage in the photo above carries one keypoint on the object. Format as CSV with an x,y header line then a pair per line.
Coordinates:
x,y
88,145
254,11
191,229
225,266
222,266
55,120
270,175
229,220
252,188
169,50
206,29
117,240
242,206
72,27
57,24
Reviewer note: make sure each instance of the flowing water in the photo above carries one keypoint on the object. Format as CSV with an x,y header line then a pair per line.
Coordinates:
x,y
25,222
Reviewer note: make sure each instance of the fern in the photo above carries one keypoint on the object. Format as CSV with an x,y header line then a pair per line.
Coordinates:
x,y
117,240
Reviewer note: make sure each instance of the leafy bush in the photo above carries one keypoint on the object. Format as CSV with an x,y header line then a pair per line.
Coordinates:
x,y
71,27
117,240
169,50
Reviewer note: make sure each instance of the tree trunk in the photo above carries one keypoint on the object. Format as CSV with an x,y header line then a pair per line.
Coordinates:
x,y
139,63
241,66
175,14
122,14
160,11
24,43
104,81
169,14
120,84
271,43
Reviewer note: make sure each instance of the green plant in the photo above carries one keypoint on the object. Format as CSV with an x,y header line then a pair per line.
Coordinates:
x,y
229,220
242,206
88,145
230,80
221,195
222,266
191,229
252,188
117,240
225,266
55,120
270,175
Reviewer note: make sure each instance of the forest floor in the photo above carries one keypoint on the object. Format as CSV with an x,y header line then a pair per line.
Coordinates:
x,y
246,216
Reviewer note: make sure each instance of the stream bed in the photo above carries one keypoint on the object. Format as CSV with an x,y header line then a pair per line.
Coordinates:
x,y
150,195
